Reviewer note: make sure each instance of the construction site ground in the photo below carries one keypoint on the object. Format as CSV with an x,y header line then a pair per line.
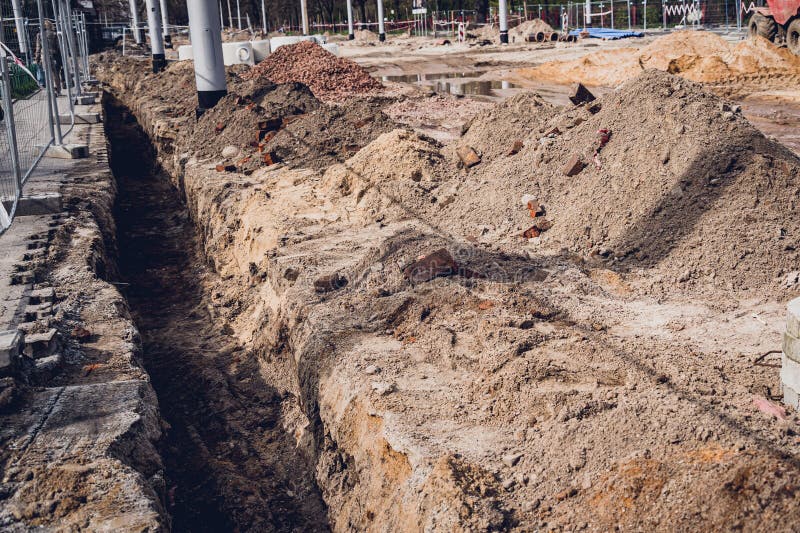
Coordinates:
x,y
427,307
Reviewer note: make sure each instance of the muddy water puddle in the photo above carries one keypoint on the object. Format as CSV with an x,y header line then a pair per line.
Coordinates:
x,y
464,83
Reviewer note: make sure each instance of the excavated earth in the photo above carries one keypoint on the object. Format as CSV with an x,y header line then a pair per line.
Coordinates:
x,y
600,375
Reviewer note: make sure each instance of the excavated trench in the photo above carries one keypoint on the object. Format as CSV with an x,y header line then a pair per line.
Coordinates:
x,y
230,465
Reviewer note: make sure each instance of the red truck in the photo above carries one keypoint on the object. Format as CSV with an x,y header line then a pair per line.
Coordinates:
x,y
779,22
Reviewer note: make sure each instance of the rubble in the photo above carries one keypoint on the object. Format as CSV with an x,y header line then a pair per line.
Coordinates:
x,y
329,77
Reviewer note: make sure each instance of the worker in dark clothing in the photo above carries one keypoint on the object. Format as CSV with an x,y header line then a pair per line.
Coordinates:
x,y
55,54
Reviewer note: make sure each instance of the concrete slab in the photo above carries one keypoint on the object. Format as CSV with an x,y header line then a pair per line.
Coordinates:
x,y
793,318
790,382
84,99
68,151
44,294
11,342
80,118
791,347
39,204
41,345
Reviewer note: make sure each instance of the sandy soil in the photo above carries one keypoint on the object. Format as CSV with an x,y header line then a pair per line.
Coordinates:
x,y
558,382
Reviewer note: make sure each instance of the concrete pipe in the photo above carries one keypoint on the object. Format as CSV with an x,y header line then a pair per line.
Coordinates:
x,y
539,37
552,36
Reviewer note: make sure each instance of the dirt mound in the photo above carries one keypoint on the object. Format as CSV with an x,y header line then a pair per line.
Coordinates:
x,y
328,76
695,55
685,185
530,26
299,129
365,36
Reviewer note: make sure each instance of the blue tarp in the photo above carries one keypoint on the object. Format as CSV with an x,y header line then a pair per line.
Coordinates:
x,y
608,33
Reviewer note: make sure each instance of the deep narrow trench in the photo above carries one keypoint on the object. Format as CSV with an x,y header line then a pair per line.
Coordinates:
x,y
230,465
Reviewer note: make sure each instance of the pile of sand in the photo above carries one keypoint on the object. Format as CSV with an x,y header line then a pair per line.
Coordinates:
x,y
528,27
696,55
328,76
365,36
685,185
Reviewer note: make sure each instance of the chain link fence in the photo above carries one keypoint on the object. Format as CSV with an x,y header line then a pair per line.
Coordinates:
x,y
43,58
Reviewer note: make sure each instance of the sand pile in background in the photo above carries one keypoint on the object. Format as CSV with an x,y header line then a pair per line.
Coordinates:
x,y
365,36
530,26
696,55
328,76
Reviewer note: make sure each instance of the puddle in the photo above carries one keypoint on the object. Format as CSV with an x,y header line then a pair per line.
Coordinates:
x,y
458,83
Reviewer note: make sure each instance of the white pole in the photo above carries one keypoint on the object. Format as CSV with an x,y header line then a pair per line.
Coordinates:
x,y
264,17
238,15
164,18
304,14
350,34
137,35
22,35
588,15
503,22
381,30
230,15
206,37
156,35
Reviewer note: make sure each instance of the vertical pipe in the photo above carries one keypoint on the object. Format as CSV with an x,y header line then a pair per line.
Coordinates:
x,y
263,18
612,14
629,15
165,21
206,38
52,105
304,15
22,35
230,15
588,14
238,15
381,31
66,16
156,35
503,21
350,33
9,120
137,35
644,9
663,16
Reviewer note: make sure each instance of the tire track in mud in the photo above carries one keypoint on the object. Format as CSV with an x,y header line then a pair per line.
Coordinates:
x,y
230,465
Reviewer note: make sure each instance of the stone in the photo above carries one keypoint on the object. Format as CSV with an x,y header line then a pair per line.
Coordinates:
x,y
511,459
45,294
516,147
579,94
230,151
468,156
372,370
437,263
574,166
332,282
68,151
383,388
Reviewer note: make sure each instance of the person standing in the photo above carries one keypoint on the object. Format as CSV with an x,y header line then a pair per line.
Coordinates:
x,y
56,63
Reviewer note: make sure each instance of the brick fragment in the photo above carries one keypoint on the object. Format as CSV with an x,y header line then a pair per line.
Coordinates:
x,y
580,94
469,157
574,166
437,263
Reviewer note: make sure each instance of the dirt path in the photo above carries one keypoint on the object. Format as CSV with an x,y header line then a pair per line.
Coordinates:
x,y
230,465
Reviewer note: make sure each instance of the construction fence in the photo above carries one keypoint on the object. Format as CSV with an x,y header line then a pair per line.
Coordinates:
x,y
44,61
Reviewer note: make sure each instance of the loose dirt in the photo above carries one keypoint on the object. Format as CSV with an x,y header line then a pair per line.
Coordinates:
x,y
737,68
624,333
328,77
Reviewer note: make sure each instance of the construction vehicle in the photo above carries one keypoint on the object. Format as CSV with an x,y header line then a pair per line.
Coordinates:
x,y
779,22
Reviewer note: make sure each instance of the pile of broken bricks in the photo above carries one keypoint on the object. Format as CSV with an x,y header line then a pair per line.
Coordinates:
x,y
265,131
